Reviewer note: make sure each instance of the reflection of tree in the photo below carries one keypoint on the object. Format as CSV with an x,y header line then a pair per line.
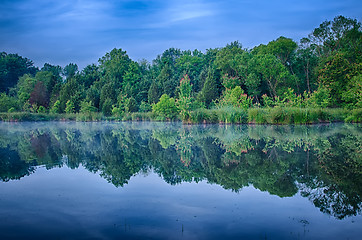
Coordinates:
x,y
338,189
323,162
11,166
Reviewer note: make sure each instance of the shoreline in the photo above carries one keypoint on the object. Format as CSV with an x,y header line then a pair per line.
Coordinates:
x,y
253,116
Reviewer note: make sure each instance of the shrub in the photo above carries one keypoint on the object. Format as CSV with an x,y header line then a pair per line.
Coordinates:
x,y
145,107
354,116
7,102
41,109
69,107
166,107
11,110
56,107
87,107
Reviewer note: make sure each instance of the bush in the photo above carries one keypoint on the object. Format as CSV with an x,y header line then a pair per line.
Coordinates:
x,y
69,108
166,107
87,107
11,110
56,107
7,102
354,116
145,107
41,109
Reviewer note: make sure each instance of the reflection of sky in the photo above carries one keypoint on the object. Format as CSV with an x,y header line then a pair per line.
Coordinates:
x,y
82,31
78,204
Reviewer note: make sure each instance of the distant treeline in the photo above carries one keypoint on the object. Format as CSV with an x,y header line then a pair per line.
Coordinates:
x,y
322,70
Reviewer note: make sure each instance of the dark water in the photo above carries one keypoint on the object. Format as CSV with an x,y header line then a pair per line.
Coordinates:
x,y
169,181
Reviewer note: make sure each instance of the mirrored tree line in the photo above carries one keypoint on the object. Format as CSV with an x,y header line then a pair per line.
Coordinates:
x,y
323,162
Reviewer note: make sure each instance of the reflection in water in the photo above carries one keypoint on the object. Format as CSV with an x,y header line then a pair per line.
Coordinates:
x,y
322,162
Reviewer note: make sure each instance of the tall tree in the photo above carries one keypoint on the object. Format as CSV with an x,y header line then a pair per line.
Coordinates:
x,y
13,66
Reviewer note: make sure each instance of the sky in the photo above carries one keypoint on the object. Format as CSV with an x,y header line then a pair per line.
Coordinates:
x,y
60,32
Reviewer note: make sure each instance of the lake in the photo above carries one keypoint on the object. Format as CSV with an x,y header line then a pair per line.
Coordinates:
x,y
68,180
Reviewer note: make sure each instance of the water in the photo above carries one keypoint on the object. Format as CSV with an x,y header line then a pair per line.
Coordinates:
x,y
170,181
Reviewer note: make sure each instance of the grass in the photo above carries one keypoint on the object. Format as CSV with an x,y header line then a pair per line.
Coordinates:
x,y
225,115
276,115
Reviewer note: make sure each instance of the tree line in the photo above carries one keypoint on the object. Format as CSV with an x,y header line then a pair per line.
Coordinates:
x,y
322,70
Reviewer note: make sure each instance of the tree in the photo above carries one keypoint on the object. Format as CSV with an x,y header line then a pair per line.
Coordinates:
x,y
304,62
70,70
107,107
283,48
131,105
24,87
352,97
252,83
167,80
131,82
184,101
210,90
114,65
55,70
227,59
89,75
154,93
273,73
39,96
7,102
336,75
13,66
108,91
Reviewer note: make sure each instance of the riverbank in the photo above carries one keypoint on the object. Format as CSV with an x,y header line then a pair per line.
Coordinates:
x,y
229,115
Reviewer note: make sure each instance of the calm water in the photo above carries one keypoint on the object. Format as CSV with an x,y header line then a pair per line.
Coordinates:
x,y
169,181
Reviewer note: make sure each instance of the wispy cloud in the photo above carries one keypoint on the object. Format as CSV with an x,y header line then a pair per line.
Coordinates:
x,y
177,12
81,31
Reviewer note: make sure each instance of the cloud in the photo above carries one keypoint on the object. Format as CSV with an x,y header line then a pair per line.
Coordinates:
x,y
82,31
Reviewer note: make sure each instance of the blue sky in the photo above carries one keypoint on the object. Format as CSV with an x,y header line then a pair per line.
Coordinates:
x,y
82,31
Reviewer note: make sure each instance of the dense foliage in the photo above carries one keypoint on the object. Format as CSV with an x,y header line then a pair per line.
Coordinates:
x,y
323,70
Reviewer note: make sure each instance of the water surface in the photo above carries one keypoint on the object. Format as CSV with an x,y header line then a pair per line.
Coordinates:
x,y
171,181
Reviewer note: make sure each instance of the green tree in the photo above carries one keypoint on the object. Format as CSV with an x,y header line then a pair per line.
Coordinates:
x,y
154,93
210,90
184,101
108,91
114,65
107,107
273,73
24,87
131,105
70,70
7,102
13,66
337,74
352,97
